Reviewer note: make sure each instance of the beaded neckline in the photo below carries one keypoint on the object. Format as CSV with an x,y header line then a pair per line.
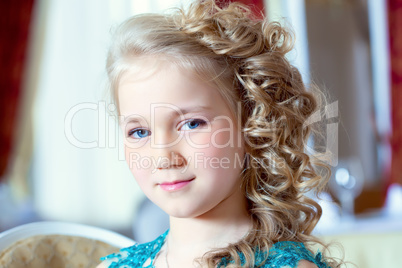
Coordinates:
x,y
138,254
281,254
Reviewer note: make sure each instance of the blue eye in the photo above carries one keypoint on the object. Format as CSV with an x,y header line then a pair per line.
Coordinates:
x,y
139,133
192,124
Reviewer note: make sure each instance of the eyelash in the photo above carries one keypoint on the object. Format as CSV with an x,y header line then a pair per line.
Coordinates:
x,y
135,131
199,121
132,132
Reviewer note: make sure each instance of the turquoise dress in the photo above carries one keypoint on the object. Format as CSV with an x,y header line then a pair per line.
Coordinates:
x,y
282,254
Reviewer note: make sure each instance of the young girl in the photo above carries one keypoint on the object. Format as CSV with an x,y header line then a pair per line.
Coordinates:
x,y
214,115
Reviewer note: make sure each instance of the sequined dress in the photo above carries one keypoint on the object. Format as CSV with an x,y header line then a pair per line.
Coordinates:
x,y
282,254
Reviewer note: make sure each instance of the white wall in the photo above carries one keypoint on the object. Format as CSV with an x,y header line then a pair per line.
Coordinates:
x,y
78,169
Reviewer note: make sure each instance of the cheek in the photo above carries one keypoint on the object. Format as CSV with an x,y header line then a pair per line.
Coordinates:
x,y
139,166
198,140
223,136
224,159
218,149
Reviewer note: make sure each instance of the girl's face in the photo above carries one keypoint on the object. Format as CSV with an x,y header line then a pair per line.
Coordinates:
x,y
182,142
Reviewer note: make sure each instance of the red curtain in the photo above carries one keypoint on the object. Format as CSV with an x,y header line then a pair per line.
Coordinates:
x,y
14,31
395,34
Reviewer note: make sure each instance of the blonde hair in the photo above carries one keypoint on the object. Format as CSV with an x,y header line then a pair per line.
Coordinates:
x,y
245,58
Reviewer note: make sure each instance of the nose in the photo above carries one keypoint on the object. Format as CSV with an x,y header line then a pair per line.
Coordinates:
x,y
166,150
173,160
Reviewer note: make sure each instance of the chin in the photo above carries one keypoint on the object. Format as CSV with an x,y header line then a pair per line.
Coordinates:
x,y
183,213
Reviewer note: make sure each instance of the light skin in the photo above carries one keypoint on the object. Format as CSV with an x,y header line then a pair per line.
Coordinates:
x,y
185,150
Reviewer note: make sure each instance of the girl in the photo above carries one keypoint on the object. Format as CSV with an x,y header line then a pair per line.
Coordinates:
x,y
213,116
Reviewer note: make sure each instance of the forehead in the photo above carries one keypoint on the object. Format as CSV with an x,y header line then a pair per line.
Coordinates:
x,y
150,81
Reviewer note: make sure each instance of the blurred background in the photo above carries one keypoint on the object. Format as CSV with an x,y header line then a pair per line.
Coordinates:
x,y
61,153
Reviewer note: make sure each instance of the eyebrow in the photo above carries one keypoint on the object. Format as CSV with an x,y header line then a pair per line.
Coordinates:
x,y
183,111
130,119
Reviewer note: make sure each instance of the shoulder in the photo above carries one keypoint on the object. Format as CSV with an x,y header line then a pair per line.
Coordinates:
x,y
104,264
306,264
134,256
118,258
295,255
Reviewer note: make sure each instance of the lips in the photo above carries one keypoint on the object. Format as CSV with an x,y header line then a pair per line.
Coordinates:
x,y
175,186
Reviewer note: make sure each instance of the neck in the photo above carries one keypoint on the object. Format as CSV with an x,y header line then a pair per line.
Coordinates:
x,y
190,238
226,223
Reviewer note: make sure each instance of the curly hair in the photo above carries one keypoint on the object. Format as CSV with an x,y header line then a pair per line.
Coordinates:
x,y
245,59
